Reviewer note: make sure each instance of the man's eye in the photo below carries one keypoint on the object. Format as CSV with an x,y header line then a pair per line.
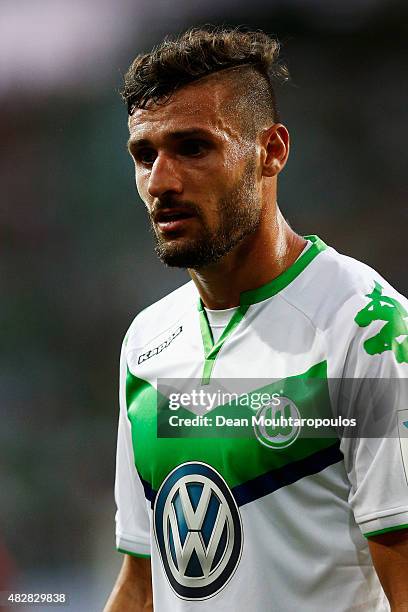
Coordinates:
x,y
192,147
146,156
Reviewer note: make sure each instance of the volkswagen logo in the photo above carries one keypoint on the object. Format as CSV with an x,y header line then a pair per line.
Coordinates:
x,y
198,530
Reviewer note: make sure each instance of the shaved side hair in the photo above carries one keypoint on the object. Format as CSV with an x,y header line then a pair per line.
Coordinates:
x,y
247,60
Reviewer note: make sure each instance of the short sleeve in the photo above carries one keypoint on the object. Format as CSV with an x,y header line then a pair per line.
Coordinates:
x,y
377,461
132,518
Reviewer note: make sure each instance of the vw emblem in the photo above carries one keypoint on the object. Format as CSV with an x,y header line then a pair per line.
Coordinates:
x,y
198,530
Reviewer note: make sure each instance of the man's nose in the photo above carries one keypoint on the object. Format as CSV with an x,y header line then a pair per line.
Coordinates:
x,y
164,177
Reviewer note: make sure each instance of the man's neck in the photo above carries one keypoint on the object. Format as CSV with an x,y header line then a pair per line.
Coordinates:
x,y
257,260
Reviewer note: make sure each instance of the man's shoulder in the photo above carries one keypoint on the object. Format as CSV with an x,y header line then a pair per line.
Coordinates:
x,y
335,284
155,319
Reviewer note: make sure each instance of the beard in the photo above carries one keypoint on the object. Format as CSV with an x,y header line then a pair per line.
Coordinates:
x,y
239,213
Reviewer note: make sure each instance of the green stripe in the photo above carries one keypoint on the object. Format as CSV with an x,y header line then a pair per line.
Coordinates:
x,y
387,530
206,333
211,350
133,554
207,371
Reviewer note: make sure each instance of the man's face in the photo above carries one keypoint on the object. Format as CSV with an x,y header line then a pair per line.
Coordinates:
x,y
196,171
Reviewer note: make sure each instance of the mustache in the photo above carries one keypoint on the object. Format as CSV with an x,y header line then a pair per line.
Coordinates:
x,y
168,203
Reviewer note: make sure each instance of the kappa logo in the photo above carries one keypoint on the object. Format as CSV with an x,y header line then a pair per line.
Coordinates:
x,y
158,349
393,336
198,530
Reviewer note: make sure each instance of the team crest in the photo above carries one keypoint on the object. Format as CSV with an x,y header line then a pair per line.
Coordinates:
x,y
198,530
393,336
275,426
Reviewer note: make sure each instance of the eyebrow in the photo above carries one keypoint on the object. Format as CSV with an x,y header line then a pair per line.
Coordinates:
x,y
178,135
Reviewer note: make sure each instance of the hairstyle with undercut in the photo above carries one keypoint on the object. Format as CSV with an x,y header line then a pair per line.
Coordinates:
x,y
250,59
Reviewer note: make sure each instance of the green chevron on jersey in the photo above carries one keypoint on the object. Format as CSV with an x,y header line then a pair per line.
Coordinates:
x,y
156,456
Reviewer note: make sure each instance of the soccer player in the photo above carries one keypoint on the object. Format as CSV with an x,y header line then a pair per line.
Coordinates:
x,y
276,521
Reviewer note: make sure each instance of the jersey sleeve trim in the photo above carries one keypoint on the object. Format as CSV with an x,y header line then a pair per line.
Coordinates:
x,y
383,524
387,530
131,545
133,554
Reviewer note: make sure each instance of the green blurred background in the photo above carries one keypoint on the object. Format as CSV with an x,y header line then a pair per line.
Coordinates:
x,y
77,259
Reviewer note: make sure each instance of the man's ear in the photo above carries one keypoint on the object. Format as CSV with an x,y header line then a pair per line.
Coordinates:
x,y
275,149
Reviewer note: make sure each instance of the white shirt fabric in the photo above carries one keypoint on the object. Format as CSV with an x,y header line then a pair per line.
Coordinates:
x,y
292,520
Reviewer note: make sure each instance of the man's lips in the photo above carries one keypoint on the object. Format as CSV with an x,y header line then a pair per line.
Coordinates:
x,y
173,219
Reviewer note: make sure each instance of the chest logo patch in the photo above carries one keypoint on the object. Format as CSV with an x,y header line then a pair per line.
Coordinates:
x,y
393,336
158,349
275,426
198,530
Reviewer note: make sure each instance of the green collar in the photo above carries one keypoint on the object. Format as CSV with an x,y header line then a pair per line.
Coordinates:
x,y
253,296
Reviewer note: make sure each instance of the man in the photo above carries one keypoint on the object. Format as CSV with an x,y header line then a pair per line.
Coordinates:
x,y
258,522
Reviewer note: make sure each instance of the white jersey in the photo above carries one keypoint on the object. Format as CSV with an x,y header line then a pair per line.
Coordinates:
x,y
255,516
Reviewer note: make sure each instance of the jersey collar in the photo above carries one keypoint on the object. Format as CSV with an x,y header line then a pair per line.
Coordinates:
x,y
247,298
253,296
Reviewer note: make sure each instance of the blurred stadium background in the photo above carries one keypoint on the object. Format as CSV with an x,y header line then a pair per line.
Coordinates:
x,y
76,255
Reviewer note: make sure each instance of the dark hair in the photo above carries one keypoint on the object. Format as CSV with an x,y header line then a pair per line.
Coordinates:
x,y
199,52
